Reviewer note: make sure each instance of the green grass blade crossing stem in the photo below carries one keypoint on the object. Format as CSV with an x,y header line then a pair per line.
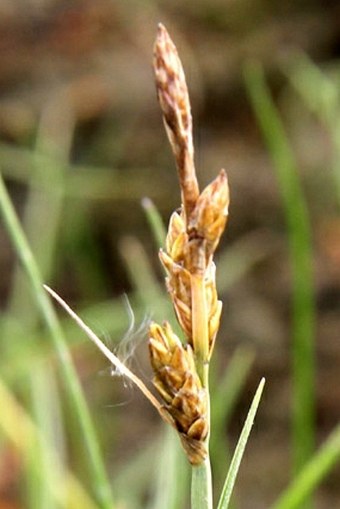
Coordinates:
x,y
242,442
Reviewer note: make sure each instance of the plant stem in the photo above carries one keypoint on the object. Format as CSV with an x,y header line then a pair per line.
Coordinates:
x,y
200,330
201,484
98,474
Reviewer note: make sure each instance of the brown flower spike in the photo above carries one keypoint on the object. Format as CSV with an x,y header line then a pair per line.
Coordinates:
x,y
180,387
181,372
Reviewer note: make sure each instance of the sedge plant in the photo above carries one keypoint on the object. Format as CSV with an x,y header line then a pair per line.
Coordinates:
x,y
181,365
180,354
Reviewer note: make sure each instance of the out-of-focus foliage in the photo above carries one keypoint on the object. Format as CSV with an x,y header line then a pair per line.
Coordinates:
x,y
82,143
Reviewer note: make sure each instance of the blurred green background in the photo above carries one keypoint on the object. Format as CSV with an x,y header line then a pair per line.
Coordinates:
x,y
82,143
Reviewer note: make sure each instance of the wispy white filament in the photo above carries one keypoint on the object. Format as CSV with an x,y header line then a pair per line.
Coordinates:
x,y
121,368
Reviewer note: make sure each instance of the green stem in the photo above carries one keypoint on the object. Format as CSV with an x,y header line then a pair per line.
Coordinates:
x,y
98,474
201,486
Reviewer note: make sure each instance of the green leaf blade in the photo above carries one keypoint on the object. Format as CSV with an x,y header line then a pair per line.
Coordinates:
x,y
239,451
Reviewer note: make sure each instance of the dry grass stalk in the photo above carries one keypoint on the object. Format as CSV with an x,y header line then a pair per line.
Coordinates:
x,y
115,361
181,371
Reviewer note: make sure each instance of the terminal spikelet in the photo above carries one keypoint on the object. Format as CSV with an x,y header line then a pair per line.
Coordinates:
x,y
174,100
177,382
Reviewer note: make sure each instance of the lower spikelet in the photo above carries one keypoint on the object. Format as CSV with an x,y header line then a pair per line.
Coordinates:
x,y
176,380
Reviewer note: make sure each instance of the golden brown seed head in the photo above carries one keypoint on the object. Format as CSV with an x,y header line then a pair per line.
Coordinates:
x,y
193,236
208,219
177,237
178,283
177,382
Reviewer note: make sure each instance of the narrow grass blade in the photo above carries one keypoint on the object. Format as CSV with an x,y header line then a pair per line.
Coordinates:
x,y
318,90
115,361
44,402
301,255
312,474
44,205
321,95
155,221
171,475
41,220
95,462
225,396
24,435
236,461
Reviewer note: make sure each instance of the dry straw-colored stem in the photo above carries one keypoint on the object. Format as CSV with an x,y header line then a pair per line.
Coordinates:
x,y
115,361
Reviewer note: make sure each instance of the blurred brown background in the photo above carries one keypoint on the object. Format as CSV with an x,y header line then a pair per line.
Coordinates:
x,y
80,72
